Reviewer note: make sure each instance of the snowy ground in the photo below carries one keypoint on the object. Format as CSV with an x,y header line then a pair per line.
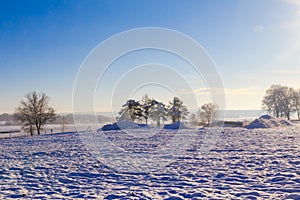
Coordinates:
x,y
245,164
56,128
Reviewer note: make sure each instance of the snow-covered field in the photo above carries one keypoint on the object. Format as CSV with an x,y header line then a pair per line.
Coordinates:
x,y
244,164
56,128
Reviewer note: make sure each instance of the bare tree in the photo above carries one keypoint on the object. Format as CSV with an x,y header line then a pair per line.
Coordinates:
x,y
193,119
296,103
279,101
272,100
288,102
34,111
208,112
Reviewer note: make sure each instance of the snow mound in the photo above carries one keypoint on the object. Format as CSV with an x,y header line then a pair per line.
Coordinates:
x,y
285,122
109,127
266,121
175,126
266,117
131,125
122,125
257,123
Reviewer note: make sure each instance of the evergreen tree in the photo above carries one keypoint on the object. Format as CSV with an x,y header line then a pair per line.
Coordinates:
x,y
158,112
131,110
177,111
146,104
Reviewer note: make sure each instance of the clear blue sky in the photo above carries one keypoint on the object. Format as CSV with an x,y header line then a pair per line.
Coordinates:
x,y
254,43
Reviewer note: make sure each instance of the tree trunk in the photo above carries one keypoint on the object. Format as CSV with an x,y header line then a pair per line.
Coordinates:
x,y
288,116
31,130
158,122
173,119
38,129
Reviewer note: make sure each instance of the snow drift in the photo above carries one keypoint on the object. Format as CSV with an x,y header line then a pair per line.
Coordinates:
x,y
175,126
267,121
122,125
131,125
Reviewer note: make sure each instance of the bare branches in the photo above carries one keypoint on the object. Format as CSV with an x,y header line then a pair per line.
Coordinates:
x,y
281,101
208,112
34,110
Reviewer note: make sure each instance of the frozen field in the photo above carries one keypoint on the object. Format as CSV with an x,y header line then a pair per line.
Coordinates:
x,y
245,164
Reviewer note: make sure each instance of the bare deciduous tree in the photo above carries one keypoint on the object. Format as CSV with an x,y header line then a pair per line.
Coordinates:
x,y
272,100
34,111
281,101
208,112
296,103
194,119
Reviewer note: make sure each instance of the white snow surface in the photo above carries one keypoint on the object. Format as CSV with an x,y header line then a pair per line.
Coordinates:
x,y
244,164
56,128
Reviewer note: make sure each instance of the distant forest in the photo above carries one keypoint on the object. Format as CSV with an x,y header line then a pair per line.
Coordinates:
x,y
9,119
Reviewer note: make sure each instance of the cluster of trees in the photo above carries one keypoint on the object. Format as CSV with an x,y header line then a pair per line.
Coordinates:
x,y
176,111
282,101
149,108
34,111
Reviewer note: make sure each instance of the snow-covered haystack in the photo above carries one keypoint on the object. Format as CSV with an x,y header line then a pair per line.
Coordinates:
x,y
122,125
267,121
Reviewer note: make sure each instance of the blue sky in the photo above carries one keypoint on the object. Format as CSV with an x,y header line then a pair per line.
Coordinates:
x,y
254,43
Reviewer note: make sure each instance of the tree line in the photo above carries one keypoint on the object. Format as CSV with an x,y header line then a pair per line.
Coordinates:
x,y
34,111
282,101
